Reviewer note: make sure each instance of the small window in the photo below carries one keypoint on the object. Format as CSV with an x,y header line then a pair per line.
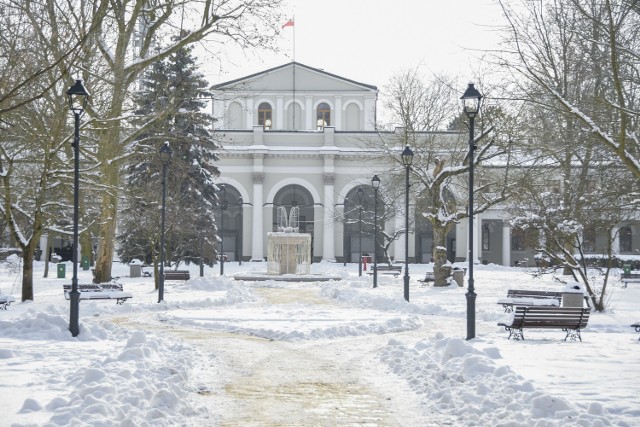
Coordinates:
x,y
323,116
264,115
589,240
625,239
517,239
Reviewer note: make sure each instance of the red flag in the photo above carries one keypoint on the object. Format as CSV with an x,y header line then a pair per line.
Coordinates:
x,y
289,23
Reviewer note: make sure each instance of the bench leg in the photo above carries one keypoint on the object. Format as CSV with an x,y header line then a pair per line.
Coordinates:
x,y
3,305
517,334
572,334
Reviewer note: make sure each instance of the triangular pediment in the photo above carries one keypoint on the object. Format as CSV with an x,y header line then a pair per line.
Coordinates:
x,y
306,78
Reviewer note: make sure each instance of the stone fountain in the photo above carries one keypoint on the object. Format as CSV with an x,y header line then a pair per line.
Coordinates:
x,y
288,252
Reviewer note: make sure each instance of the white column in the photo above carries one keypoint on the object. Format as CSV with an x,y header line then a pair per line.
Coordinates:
x,y
44,243
476,239
369,114
249,124
310,124
506,244
337,121
218,108
279,125
615,240
328,246
257,238
398,245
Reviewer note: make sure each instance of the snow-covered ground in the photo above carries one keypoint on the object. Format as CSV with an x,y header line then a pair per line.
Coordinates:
x,y
241,353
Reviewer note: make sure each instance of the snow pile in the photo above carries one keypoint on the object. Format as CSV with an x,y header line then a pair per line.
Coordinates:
x,y
133,381
456,378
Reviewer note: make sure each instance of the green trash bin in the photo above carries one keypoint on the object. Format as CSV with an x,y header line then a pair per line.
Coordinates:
x,y
62,269
85,263
626,270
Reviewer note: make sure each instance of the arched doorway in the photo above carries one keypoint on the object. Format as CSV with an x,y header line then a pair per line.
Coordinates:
x,y
359,221
228,217
296,195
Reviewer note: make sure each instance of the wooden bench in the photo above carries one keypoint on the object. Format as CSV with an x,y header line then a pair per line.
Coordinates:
x,y
99,291
177,275
631,277
529,298
637,326
569,319
387,269
6,300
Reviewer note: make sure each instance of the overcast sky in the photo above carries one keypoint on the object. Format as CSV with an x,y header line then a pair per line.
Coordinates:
x,y
371,40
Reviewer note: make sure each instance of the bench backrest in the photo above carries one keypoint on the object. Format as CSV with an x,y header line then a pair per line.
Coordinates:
x,y
182,274
524,293
551,317
93,287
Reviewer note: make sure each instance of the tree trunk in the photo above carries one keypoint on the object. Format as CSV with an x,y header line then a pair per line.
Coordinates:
x,y
27,272
106,246
47,252
439,255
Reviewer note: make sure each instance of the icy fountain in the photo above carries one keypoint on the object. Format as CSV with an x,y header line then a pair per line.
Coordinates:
x,y
288,250
288,253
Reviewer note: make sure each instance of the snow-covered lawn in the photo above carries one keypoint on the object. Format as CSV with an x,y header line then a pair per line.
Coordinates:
x,y
236,353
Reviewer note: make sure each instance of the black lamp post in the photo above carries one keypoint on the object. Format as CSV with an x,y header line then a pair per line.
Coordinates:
x,y
165,155
241,204
375,183
471,105
407,158
78,97
223,207
359,195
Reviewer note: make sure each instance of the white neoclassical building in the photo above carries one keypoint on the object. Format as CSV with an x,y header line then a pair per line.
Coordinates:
x,y
293,136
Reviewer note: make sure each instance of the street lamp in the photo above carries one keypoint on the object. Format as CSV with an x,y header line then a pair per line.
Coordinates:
x,y
359,195
78,97
375,183
223,207
165,156
471,106
407,158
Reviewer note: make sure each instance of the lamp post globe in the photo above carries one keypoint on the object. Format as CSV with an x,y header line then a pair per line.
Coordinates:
x,y
471,100
375,183
165,156
407,159
78,97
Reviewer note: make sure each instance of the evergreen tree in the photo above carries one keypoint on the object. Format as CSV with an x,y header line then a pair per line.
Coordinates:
x,y
170,105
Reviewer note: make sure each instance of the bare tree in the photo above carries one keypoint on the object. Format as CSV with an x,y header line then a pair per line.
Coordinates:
x,y
441,162
34,142
27,74
550,43
573,63
124,47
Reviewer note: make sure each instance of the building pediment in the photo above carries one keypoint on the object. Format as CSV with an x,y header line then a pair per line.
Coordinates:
x,y
294,76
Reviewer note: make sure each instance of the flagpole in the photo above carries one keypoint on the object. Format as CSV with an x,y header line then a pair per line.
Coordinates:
x,y
294,71
291,23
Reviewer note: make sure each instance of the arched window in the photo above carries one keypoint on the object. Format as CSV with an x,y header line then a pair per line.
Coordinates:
x,y
323,116
264,115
